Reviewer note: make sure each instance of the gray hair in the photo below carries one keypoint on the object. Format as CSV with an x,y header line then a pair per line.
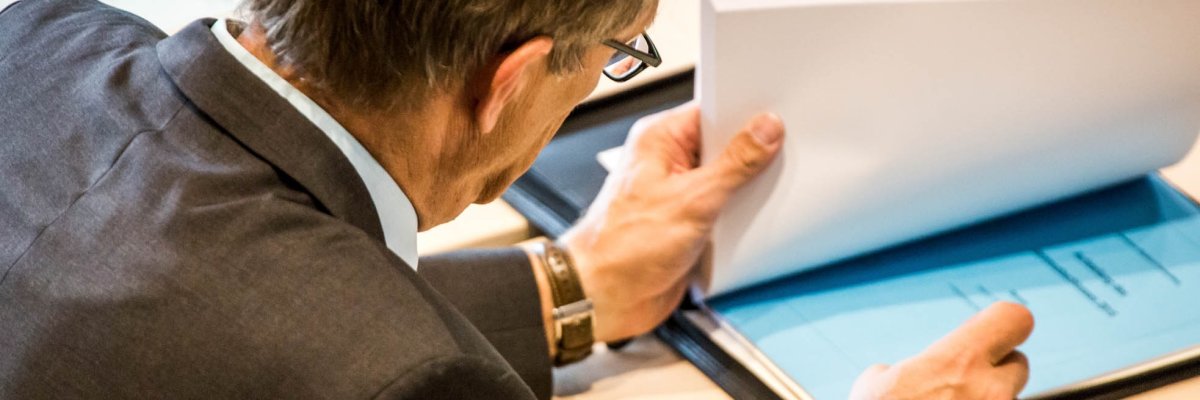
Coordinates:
x,y
388,53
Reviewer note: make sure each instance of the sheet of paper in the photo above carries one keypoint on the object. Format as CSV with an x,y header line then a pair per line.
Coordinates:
x,y
1111,280
610,158
907,118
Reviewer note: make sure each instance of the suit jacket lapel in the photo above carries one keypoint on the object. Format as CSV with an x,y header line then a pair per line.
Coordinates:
x,y
267,124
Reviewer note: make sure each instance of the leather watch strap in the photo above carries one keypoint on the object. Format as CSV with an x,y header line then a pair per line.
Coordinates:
x,y
572,309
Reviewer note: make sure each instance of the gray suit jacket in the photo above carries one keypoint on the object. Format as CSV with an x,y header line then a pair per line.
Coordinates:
x,y
171,228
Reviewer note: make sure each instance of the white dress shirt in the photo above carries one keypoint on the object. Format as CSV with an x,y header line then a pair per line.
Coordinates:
x,y
396,212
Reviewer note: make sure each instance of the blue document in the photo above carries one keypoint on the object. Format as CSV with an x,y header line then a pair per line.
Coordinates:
x,y
1112,278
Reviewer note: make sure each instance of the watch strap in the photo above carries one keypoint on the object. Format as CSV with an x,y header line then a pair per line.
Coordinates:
x,y
573,314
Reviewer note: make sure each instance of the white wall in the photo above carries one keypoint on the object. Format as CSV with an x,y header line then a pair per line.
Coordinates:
x,y
170,16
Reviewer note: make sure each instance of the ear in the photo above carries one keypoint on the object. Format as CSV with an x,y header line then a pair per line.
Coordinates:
x,y
499,85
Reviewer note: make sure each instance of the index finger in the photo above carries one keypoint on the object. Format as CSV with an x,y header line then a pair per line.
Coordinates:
x,y
669,141
679,124
993,333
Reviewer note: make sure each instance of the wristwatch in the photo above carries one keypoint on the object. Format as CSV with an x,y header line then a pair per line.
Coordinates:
x,y
573,311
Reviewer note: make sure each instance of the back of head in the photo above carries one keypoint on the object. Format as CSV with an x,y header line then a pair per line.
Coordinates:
x,y
385,54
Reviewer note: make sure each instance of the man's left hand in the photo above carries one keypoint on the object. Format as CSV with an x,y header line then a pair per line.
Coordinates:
x,y
636,247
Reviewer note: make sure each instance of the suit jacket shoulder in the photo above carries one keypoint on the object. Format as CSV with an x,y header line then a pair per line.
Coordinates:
x,y
174,229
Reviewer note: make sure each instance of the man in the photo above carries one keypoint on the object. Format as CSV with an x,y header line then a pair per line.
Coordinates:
x,y
231,212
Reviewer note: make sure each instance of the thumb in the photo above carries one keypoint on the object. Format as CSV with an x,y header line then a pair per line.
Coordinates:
x,y
992,333
750,151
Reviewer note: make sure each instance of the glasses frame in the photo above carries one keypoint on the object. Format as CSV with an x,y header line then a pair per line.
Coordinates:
x,y
650,59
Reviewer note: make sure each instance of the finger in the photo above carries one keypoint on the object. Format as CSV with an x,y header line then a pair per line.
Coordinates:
x,y
867,384
876,370
688,136
992,333
682,111
671,137
750,151
1013,370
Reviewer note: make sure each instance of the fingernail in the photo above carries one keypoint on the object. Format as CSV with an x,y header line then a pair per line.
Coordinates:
x,y
767,129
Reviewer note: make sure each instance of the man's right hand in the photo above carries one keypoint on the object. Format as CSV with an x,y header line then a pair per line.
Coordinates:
x,y
976,361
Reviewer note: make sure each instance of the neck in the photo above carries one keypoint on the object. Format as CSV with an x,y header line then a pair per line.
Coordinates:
x,y
413,147
410,145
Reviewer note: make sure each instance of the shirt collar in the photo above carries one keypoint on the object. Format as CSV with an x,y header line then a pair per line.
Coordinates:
x,y
396,212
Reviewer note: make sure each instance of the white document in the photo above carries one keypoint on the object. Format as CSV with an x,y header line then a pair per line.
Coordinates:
x,y
910,118
609,159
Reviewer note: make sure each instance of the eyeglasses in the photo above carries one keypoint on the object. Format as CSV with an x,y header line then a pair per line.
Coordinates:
x,y
632,58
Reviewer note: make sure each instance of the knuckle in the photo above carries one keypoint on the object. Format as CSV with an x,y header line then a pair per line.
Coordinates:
x,y
877,369
646,127
1020,359
642,125
957,371
663,121
745,157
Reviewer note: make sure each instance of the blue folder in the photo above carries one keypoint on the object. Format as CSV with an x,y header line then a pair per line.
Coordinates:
x,y
1112,278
